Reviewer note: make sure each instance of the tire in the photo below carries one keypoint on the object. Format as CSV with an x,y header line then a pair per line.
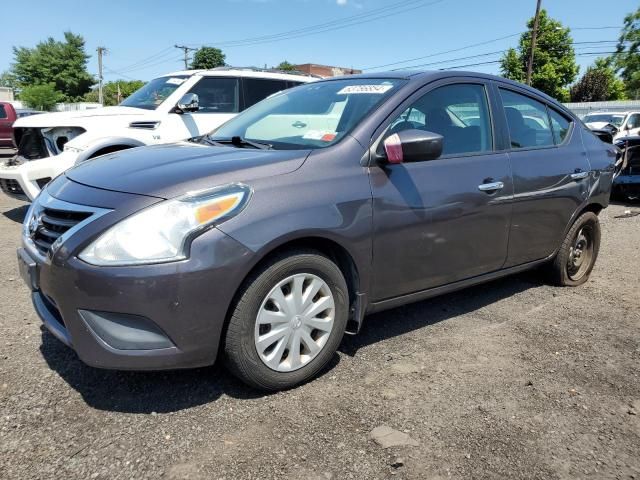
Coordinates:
x,y
566,269
270,292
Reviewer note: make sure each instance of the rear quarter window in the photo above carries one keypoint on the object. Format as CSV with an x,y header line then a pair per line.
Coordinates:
x,y
3,112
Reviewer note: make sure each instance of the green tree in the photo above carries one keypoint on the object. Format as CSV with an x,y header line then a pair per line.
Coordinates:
x,y
627,56
598,84
208,57
64,64
8,79
554,64
110,91
286,67
41,97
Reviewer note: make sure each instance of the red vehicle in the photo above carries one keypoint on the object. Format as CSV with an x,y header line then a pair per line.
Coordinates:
x,y
8,115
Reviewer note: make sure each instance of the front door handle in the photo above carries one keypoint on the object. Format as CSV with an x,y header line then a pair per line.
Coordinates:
x,y
491,187
298,124
579,175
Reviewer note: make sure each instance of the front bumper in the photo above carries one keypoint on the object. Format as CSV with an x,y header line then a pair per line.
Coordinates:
x,y
25,181
106,314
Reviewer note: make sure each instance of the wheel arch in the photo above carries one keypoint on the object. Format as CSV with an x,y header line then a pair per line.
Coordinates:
x,y
329,247
109,145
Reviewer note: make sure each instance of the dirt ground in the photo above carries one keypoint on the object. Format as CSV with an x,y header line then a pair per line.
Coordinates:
x,y
513,379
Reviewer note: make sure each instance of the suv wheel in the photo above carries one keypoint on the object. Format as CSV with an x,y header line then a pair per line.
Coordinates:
x,y
578,252
288,321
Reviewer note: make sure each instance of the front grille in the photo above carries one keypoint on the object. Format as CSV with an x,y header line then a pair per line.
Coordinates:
x,y
11,187
51,224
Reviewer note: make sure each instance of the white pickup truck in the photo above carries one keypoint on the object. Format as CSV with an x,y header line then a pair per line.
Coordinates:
x,y
170,108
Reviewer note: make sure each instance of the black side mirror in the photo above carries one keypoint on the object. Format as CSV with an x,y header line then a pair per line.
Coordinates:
x,y
413,146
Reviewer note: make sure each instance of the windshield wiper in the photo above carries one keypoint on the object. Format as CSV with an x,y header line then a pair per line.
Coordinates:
x,y
238,141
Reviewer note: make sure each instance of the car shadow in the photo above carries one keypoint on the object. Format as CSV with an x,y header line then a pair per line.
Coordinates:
x,y
16,214
146,392
392,323
171,391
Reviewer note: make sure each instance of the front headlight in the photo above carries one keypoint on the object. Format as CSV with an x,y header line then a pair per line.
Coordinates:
x,y
162,232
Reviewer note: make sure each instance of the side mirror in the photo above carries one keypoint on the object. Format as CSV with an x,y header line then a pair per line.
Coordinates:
x,y
413,146
188,103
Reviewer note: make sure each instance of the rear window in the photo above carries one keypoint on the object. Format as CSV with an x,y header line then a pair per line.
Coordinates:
x,y
3,112
527,119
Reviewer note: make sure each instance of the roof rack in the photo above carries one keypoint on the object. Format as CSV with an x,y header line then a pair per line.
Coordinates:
x,y
266,70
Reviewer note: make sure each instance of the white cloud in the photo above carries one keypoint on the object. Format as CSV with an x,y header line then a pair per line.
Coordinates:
x,y
341,2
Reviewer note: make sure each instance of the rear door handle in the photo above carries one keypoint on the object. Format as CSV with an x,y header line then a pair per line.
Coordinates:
x,y
491,187
298,124
579,175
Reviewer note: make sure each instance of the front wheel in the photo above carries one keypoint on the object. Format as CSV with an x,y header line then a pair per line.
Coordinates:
x,y
288,321
578,253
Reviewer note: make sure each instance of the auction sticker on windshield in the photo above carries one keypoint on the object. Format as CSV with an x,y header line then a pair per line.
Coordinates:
x,y
176,81
371,89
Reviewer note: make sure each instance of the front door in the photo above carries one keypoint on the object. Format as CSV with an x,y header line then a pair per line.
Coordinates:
x,y
444,220
550,175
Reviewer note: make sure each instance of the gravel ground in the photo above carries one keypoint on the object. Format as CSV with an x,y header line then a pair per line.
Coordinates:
x,y
512,379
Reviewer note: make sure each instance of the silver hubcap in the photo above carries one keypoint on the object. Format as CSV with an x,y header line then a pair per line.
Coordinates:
x,y
294,322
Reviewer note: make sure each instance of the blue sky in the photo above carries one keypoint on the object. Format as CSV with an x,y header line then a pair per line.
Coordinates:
x,y
140,34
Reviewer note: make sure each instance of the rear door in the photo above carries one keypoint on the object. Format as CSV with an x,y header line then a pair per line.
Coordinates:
x,y
437,221
551,173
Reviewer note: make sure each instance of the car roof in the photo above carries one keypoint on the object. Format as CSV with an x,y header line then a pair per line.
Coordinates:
x,y
433,75
247,72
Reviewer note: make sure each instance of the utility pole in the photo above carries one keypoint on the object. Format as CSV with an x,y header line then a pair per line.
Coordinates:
x,y
186,54
534,36
101,51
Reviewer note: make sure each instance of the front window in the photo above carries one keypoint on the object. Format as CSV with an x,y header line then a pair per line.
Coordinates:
x,y
154,93
315,115
615,120
460,113
217,95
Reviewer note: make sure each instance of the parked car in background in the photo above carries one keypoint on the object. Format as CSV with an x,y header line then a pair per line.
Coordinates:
x,y
8,116
173,107
627,184
618,124
274,235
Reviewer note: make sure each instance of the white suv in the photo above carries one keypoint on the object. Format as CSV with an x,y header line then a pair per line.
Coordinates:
x,y
625,124
170,108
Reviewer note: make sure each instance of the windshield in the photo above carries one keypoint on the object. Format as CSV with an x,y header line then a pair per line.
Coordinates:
x,y
154,93
315,115
615,120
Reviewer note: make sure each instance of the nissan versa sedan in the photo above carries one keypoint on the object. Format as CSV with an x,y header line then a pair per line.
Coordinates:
x,y
267,240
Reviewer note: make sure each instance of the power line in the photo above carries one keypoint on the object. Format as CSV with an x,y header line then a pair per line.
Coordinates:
x,y
494,62
383,12
580,45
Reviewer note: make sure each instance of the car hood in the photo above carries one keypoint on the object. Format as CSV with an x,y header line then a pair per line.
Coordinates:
x,y
81,118
596,125
167,171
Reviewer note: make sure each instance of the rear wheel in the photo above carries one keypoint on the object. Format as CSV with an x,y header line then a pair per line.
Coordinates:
x,y
578,253
288,321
